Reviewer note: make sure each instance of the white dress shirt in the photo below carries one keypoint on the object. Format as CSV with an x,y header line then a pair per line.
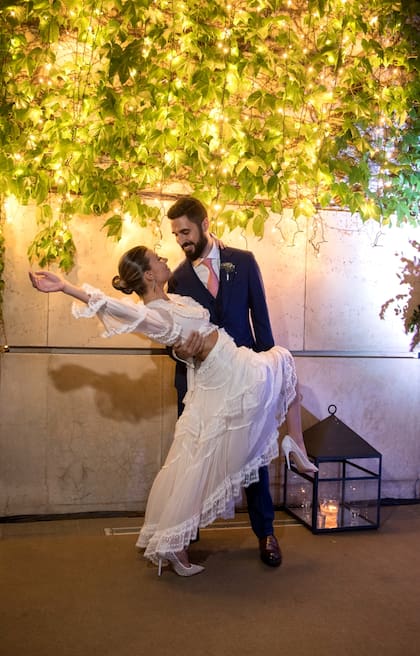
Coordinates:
x,y
202,271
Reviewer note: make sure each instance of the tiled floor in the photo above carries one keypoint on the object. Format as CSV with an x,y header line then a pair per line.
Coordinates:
x,y
78,587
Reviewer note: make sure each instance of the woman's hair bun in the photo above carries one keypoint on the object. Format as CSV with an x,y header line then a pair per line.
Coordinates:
x,y
120,285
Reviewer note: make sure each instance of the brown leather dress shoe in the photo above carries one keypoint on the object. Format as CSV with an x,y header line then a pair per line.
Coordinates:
x,y
270,551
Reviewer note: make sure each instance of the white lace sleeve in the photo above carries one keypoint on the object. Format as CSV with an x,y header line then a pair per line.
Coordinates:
x,y
119,317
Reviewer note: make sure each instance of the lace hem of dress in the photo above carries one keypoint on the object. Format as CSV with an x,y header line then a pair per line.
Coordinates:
x,y
159,543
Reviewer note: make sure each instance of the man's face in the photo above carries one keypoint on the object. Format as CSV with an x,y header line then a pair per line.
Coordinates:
x,y
191,237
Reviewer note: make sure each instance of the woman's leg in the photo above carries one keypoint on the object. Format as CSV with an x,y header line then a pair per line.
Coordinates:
x,y
183,557
294,420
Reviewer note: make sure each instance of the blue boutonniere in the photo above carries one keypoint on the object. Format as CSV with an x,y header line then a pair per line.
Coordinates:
x,y
229,268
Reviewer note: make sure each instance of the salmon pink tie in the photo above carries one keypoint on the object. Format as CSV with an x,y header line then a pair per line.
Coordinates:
x,y
213,282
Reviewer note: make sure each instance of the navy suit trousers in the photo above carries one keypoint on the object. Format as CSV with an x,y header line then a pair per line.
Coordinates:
x,y
260,505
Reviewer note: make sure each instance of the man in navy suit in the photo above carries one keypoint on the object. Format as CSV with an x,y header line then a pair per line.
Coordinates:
x,y
239,306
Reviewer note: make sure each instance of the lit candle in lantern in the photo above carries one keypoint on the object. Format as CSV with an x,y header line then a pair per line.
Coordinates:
x,y
329,509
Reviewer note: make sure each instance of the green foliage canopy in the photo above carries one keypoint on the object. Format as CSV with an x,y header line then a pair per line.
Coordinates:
x,y
257,104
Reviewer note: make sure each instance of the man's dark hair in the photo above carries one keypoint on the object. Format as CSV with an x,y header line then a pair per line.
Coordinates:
x,y
190,207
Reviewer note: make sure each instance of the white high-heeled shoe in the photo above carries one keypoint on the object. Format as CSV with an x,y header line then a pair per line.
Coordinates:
x,y
300,459
178,567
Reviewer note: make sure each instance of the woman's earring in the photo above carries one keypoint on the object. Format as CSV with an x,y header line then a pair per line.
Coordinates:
x,y
154,284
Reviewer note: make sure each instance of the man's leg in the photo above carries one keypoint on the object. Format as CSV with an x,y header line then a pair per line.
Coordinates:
x,y
261,514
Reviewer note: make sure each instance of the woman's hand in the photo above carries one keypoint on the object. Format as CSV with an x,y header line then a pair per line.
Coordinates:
x,y
46,281
217,241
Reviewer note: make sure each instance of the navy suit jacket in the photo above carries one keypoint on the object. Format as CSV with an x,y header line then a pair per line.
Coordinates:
x,y
240,306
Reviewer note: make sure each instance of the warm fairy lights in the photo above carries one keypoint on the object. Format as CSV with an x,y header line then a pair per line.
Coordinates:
x,y
248,103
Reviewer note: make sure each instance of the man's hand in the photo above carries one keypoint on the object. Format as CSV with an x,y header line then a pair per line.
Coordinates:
x,y
191,347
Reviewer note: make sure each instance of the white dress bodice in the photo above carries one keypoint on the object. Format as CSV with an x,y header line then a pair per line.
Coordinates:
x,y
164,321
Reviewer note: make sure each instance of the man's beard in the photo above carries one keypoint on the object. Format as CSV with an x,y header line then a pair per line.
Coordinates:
x,y
199,247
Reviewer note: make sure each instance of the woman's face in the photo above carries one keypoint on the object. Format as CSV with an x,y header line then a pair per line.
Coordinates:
x,y
160,270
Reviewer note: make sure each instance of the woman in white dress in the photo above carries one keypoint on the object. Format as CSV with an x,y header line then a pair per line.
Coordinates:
x,y
235,403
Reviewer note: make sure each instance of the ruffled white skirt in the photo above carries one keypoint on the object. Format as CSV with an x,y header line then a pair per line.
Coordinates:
x,y
236,401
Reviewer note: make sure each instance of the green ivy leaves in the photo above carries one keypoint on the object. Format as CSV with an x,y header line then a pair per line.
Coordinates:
x,y
260,105
53,244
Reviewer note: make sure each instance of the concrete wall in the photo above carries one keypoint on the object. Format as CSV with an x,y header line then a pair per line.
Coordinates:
x,y
86,429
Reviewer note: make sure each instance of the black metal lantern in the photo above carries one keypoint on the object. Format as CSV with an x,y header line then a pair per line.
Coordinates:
x,y
345,494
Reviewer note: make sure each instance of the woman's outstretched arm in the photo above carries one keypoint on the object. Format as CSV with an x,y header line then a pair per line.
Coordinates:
x,y
117,316
46,281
